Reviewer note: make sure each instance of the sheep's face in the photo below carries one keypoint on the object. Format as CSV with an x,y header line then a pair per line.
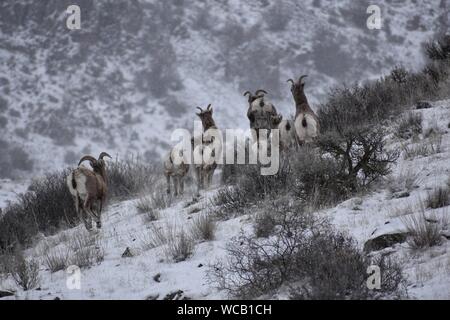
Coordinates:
x,y
297,89
257,102
206,117
98,165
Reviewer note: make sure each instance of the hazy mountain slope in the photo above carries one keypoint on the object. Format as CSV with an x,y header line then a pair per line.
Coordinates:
x,y
136,69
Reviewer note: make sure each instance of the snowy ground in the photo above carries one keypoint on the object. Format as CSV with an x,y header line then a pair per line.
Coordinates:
x,y
428,270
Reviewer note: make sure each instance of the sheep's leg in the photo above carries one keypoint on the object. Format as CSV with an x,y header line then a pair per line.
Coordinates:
x,y
88,203
168,184
210,177
86,220
82,214
199,179
95,213
207,178
182,185
175,185
203,178
98,216
76,201
179,185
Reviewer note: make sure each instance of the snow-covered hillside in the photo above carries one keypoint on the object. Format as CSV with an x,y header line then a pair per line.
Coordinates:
x,y
137,69
150,274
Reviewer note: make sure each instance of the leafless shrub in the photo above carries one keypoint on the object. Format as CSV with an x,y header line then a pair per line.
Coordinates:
x,y
57,259
336,270
5,265
146,205
176,243
265,223
424,232
155,237
301,250
86,250
204,227
161,200
305,174
151,215
361,151
130,177
405,181
438,198
432,131
25,273
439,49
43,208
180,246
399,74
409,126
256,267
230,201
424,148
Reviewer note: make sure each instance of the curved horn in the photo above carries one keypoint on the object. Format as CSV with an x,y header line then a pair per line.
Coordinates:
x,y
260,90
90,158
209,107
301,78
201,110
104,154
246,93
290,80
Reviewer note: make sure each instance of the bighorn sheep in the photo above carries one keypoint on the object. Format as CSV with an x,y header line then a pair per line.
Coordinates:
x,y
261,114
89,189
288,137
306,121
176,167
204,171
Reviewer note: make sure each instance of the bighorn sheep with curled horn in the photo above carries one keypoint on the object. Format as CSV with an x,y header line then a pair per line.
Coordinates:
x,y
306,122
261,114
204,170
89,189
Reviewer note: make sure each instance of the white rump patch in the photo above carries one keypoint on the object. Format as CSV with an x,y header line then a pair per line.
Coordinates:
x,y
309,132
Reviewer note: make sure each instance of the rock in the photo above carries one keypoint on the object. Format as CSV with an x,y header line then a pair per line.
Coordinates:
x,y
423,105
127,253
57,298
176,295
4,293
152,297
384,241
200,265
157,277
446,234
401,194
